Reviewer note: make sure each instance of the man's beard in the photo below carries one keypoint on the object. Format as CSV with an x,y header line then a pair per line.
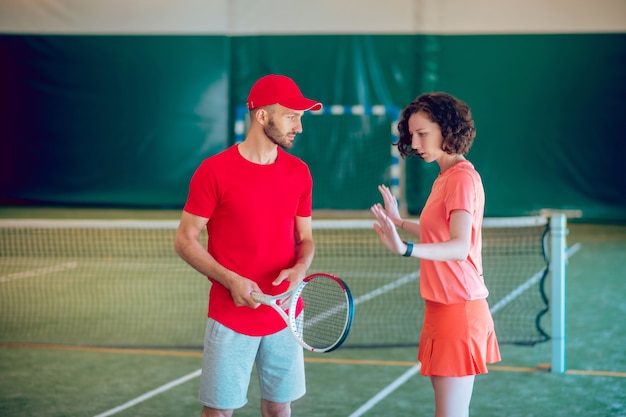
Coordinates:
x,y
276,136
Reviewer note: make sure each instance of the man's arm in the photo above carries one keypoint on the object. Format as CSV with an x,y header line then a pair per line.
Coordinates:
x,y
191,251
304,253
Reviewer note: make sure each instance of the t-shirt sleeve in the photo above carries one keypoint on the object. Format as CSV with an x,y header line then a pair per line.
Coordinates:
x,y
202,196
305,205
461,193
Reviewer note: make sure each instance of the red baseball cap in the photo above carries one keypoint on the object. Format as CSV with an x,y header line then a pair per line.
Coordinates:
x,y
279,89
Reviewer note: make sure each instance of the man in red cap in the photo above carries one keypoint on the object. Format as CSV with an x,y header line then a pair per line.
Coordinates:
x,y
255,200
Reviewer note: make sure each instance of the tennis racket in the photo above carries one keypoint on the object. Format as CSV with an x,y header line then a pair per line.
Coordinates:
x,y
321,321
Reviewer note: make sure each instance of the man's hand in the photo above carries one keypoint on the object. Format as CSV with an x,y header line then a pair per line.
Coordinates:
x,y
241,290
293,275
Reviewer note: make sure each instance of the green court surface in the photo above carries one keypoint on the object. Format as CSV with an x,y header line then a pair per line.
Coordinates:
x,y
61,379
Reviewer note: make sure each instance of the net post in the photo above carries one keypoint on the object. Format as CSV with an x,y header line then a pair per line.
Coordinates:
x,y
558,230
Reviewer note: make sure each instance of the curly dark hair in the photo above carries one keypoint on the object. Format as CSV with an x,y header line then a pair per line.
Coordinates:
x,y
451,114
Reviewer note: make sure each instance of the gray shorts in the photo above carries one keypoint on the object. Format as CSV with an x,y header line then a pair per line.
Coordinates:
x,y
227,365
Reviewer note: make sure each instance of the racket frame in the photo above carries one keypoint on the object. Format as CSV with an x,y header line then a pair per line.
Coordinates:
x,y
291,315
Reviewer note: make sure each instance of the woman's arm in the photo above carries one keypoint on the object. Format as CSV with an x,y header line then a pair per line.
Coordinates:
x,y
454,249
391,209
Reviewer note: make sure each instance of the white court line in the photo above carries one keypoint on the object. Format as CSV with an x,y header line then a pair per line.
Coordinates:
x,y
151,394
364,408
389,287
39,271
517,291
365,297
413,370
513,294
573,249
388,390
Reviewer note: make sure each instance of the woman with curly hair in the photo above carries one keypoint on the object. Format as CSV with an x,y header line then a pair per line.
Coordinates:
x,y
458,338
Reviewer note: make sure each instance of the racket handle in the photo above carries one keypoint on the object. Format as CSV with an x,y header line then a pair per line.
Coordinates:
x,y
260,298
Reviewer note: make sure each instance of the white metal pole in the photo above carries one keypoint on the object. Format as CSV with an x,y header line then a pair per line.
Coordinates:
x,y
558,230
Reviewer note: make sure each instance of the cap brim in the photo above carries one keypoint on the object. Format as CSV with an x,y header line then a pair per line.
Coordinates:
x,y
301,104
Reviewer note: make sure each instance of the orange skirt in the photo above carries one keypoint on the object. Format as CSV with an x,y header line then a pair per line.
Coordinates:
x,y
457,339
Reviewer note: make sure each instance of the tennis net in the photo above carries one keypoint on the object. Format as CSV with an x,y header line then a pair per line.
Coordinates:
x,y
120,283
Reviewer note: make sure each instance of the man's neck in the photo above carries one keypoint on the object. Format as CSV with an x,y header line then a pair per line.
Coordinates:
x,y
258,151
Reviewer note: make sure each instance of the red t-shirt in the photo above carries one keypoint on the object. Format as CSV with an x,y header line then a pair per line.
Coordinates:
x,y
458,188
251,210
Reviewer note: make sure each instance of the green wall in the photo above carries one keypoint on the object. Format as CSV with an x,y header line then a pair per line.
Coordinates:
x,y
109,120
124,120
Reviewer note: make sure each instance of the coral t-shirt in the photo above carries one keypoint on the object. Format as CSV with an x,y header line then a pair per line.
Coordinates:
x,y
457,188
251,210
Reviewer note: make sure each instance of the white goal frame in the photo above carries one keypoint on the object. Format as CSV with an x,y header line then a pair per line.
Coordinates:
x,y
397,182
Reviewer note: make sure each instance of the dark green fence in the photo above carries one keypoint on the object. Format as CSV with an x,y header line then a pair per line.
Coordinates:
x,y
124,120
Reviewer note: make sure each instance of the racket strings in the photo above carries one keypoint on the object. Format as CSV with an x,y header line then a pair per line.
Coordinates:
x,y
324,320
